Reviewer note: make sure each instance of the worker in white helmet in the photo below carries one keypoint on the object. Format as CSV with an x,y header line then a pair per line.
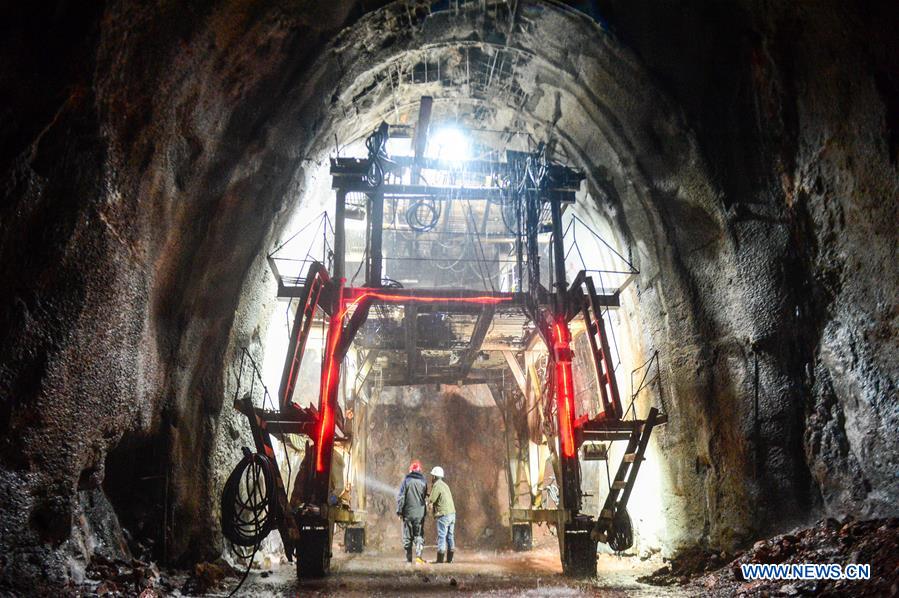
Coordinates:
x,y
444,510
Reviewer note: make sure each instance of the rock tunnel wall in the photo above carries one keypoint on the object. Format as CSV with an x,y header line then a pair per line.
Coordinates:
x,y
801,143
148,155
459,429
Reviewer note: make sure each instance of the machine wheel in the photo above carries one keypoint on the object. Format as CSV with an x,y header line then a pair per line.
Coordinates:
x,y
522,537
354,539
314,549
580,551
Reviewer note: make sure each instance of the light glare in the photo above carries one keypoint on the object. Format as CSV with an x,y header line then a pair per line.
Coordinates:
x,y
449,143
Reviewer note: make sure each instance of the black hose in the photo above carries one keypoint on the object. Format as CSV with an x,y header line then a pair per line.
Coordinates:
x,y
423,215
248,519
249,516
245,573
376,144
621,536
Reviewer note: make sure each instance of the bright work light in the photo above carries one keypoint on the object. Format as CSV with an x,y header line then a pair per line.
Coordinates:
x,y
449,143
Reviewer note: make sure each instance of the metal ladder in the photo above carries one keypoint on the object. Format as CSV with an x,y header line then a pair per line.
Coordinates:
x,y
623,484
602,356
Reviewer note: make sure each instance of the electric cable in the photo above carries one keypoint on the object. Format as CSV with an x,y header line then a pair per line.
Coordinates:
x,y
376,144
246,573
621,536
482,258
417,220
248,517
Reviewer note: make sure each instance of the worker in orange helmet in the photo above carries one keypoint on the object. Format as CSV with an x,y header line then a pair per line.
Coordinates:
x,y
410,505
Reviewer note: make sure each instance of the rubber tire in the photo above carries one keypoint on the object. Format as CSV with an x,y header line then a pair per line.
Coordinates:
x,y
580,555
314,554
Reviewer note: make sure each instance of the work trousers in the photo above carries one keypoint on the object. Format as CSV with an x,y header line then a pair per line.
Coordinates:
x,y
413,534
446,532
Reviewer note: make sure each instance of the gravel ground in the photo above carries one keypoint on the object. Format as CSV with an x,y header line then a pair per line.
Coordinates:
x,y
535,573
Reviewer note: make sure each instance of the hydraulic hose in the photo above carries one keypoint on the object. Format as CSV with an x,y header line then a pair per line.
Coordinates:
x,y
248,501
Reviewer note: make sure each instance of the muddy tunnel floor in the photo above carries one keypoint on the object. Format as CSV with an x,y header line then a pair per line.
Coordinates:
x,y
536,573
695,572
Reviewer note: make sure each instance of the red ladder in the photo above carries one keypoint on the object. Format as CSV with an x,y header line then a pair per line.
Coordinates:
x,y
602,356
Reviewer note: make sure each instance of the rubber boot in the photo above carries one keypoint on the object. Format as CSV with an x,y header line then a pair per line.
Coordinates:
x,y
449,556
409,555
440,556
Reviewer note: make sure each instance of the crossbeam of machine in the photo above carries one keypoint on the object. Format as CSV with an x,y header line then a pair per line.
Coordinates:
x,y
444,192
449,298
567,178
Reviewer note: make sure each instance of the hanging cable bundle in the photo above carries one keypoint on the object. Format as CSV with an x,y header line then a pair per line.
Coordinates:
x,y
248,501
422,215
376,144
621,536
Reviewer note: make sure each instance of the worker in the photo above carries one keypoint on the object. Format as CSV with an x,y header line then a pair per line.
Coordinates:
x,y
410,505
444,510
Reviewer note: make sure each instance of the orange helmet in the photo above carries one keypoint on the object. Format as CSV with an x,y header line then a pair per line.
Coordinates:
x,y
415,466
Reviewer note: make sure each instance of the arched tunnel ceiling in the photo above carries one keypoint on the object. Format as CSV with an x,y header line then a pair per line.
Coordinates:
x,y
545,70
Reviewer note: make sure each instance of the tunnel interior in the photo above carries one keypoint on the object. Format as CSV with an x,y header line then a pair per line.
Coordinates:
x,y
741,158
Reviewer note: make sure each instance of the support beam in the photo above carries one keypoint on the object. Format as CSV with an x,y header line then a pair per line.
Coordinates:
x,y
474,377
503,404
339,235
420,138
495,194
429,295
558,255
446,297
374,270
477,338
358,455
517,372
561,181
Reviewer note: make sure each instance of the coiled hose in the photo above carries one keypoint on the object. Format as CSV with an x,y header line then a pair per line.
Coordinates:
x,y
248,501
423,215
376,144
621,536
248,507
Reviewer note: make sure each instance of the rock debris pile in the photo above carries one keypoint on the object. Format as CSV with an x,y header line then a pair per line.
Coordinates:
x,y
874,542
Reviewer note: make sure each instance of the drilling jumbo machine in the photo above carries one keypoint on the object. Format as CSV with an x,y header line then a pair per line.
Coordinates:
x,y
520,332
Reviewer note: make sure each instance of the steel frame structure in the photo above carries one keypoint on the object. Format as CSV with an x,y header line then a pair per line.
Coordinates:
x,y
307,527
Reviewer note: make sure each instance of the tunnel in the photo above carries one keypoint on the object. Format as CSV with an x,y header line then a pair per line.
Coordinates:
x,y
724,172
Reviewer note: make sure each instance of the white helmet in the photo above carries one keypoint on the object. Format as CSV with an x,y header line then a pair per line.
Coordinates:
x,y
437,471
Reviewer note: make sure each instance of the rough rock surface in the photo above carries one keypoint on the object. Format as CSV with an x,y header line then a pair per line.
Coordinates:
x,y
425,424
149,155
874,542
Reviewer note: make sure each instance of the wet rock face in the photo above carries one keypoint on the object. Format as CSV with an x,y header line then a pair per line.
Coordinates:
x,y
121,148
149,156
810,215
462,431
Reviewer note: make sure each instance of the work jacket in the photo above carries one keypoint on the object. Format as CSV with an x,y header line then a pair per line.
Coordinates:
x,y
442,499
410,502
